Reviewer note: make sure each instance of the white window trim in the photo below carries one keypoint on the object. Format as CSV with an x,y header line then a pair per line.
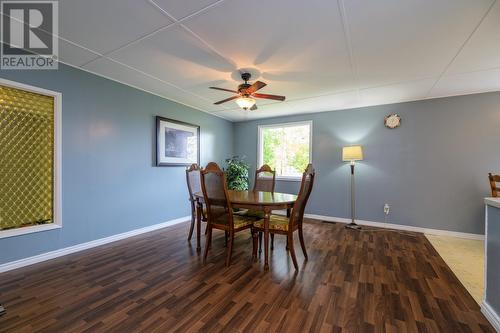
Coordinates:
x,y
57,204
260,156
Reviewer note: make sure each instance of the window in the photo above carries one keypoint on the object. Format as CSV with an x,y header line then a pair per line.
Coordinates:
x,y
286,148
29,159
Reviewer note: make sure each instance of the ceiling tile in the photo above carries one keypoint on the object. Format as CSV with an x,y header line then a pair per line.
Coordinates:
x,y
174,55
104,25
396,93
74,55
291,43
396,41
483,49
297,47
182,8
71,53
115,71
338,101
467,83
307,105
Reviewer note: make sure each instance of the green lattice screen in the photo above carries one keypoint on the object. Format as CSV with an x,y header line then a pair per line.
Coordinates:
x,y
26,158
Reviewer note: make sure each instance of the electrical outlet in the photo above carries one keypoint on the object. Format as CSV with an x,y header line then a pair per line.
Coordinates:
x,y
387,209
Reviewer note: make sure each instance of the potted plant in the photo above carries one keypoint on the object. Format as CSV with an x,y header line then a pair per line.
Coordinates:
x,y
237,173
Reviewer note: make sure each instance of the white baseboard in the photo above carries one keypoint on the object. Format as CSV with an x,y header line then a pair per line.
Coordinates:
x,y
84,246
396,226
491,315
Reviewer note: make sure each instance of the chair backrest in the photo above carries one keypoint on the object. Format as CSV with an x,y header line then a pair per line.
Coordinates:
x,y
495,185
214,187
265,178
193,180
306,187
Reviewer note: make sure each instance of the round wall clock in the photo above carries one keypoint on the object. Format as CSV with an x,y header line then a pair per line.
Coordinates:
x,y
392,121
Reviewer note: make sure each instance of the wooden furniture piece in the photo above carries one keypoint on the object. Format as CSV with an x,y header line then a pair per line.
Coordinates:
x,y
264,201
495,185
287,225
265,179
220,210
193,180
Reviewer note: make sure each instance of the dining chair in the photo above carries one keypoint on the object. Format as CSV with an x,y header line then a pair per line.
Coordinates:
x,y
288,225
265,179
220,211
194,185
494,184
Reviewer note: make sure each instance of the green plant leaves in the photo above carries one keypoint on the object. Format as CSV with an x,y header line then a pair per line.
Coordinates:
x,y
237,173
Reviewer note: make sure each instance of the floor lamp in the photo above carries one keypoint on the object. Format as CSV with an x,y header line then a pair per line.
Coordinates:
x,y
352,154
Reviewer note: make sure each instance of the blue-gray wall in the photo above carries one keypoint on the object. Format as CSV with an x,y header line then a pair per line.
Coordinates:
x,y
493,263
432,170
109,183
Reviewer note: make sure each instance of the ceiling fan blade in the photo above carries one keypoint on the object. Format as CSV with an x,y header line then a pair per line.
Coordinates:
x,y
227,100
254,107
256,86
216,88
266,96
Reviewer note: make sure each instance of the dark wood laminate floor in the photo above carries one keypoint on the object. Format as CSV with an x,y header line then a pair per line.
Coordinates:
x,y
373,281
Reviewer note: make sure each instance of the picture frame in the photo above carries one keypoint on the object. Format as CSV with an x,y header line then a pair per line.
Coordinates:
x,y
177,142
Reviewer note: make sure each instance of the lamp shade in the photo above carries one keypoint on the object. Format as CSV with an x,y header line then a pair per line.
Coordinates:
x,y
352,153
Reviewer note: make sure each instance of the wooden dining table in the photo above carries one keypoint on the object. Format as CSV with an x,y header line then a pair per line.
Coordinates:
x,y
254,200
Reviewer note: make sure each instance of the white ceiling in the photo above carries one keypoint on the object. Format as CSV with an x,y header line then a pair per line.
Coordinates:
x,y
322,54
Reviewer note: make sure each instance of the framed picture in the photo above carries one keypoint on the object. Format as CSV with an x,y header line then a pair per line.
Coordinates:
x,y
177,143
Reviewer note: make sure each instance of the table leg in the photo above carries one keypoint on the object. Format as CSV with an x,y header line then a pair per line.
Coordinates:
x,y
266,239
199,210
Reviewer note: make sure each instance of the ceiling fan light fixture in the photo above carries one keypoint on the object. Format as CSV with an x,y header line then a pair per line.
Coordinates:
x,y
245,102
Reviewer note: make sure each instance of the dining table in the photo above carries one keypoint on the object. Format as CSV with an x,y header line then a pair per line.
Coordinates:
x,y
265,202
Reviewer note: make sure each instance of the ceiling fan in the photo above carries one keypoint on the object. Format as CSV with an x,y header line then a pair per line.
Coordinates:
x,y
246,93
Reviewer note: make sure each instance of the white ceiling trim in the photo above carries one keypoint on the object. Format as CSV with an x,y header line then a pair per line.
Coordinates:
x,y
101,56
195,35
354,68
142,89
347,36
156,78
462,47
174,23
358,90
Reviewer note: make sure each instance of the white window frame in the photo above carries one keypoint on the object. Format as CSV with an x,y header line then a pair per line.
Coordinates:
x,y
57,199
260,141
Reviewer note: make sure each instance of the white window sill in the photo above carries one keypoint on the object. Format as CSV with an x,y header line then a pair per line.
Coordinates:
x,y
28,230
289,179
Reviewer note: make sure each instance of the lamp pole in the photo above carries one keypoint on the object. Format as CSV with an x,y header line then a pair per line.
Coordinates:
x,y
353,224
352,154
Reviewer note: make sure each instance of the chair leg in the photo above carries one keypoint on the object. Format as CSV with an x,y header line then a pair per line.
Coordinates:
x,y
198,228
193,220
260,243
292,251
286,244
230,248
254,245
272,241
206,229
207,243
226,234
302,244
